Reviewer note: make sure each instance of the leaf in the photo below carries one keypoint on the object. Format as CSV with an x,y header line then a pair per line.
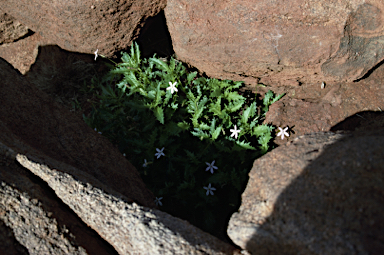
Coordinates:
x,y
277,98
183,125
248,113
160,64
199,133
216,133
191,76
261,130
159,114
245,145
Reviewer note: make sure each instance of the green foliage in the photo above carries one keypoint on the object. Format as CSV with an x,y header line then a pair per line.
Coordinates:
x,y
139,114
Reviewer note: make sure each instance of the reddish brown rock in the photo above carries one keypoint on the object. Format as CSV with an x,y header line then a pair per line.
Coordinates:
x,y
321,193
309,108
84,26
278,42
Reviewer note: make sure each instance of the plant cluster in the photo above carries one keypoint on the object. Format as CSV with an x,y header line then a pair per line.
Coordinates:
x,y
193,139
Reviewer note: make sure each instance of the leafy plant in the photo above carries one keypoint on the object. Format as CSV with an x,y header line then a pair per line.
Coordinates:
x,y
193,139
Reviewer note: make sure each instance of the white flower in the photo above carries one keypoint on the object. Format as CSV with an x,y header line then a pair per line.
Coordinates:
x,y
211,166
124,154
159,153
145,163
98,131
283,132
172,87
96,55
209,190
235,132
158,202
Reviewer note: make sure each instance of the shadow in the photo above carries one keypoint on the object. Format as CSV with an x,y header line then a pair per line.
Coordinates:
x,y
154,37
52,135
364,121
323,194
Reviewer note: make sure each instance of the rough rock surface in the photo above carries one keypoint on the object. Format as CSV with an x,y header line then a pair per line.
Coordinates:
x,y
278,42
84,26
40,123
322,193
309,108
10,29
128,227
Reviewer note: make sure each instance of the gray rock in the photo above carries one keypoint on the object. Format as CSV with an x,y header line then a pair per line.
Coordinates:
x,y
128,227
321,193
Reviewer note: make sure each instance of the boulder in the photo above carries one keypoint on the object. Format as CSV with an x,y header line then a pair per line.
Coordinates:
x,y
321,193
52,130
84,26
45,210
279,42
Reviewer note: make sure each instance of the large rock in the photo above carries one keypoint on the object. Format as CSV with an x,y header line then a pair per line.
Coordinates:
x,y
50,129
128,227
84,26
62,218
322,193
283,42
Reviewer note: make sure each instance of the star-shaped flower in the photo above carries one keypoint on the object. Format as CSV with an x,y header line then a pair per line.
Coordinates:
x,y
145,163
159,153
211,166
96,55
209,190
172,87
158,202
235,132
283,132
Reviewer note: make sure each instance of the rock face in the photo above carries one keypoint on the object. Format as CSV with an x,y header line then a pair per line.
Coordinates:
x,y
84,26
283,42
322,193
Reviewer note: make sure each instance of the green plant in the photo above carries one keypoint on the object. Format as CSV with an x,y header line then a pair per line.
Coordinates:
x,y
193,139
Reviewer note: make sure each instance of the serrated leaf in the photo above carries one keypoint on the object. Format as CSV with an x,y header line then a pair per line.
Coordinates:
x,y
248,113
199,133
216,133
183,125
261,130
191,76
160,64
159,114
245,145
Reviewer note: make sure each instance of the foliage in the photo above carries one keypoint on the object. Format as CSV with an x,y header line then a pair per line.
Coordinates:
x,y
137,112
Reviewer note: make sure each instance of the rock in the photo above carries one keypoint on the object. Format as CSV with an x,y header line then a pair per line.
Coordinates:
x,y
128,227
321,193
84,26
34,221
278,42
51,130
10,29
309,108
